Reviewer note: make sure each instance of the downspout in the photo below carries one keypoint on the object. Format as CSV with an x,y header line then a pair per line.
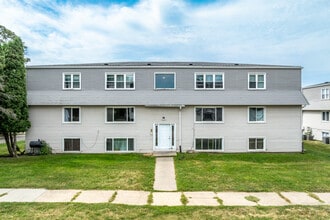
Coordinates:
x,y
180,127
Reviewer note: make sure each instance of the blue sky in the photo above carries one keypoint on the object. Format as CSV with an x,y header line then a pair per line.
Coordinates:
x,y
284,32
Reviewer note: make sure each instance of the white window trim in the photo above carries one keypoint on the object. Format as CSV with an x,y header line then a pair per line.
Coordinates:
x,y
257,150
257,73
209,73
327,94
71,73
256,122
222,144
71,122
115,74
119,122
325,121
210,122
169,73
63,147
119,152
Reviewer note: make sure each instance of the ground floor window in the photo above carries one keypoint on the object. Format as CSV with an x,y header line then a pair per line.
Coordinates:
x,y
208,144
119,144
71,144
256,143
325,116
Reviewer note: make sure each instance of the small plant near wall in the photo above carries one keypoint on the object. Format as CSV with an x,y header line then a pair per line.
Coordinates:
x,y
45,149
308,134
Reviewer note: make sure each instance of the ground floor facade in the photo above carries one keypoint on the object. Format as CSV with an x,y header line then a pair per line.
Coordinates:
x,y
145,129
317,123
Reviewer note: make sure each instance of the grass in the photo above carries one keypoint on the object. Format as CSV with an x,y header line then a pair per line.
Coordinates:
x,y
252,199
79,211
253,172
78,171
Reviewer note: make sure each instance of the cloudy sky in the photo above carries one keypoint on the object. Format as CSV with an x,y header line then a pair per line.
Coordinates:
x,y
285,32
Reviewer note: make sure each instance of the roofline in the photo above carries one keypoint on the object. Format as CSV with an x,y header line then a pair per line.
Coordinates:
x,y
162,65
317,85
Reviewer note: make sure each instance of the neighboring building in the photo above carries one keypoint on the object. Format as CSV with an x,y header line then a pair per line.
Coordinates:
x,y
165,106
316,115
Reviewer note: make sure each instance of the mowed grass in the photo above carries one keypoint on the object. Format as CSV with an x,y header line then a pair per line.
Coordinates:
x,y
255,172
73,211
78,171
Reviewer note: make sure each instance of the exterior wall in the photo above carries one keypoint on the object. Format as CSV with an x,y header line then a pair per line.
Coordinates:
x,y
313,120
282,128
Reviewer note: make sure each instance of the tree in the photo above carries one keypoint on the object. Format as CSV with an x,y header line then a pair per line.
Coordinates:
x,y
13,102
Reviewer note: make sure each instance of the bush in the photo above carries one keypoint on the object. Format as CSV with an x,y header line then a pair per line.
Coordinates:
x,y
45,149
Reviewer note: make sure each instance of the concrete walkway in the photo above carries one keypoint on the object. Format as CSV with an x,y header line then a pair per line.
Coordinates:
x,y
165,198
165,174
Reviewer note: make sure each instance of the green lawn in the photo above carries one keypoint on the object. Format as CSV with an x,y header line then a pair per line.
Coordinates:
x,y
256,171
70,211
78,171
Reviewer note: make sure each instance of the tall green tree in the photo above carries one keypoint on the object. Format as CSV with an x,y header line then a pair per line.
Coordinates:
x,y
13,102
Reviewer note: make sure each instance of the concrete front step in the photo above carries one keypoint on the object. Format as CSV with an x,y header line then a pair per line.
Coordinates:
x,y
164,153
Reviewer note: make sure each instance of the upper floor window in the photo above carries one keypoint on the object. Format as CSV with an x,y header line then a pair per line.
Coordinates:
x,y
209,81
256,114
71,115
119,81
119,114
257,80
325,94
325,116
164,80
209,114
72,81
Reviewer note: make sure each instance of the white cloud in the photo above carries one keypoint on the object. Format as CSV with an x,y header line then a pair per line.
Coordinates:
x,y
247,31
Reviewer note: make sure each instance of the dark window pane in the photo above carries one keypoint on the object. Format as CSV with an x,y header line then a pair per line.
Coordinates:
x,y
260,114
208,114
252,143
131,144
129,81
211,144
218,81
204,144
109,144
75,114
252,81
260,143
109,114
209,81
198,144
199,81
120,114
252,114
67,115
164,81
198,114
219,114
120,144
218,145
130,114
71,144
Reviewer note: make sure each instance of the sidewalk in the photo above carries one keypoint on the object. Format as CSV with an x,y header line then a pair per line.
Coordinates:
x,y
165,198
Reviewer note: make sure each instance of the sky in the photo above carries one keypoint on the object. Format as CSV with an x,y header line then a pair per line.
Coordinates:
x,y
276,32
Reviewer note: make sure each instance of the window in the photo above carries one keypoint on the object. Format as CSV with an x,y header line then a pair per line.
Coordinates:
x,y
325,94
209,81
71,81
119,144
257,81
208,144
71,144
256,143
120,114
256,114
119,81
209,114
71,115
325,116
325,134
164,80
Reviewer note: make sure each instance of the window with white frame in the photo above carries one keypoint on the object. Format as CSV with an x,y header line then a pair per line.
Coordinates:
x,y
164,81
256,114
71,114
72,81
209,114
256,143
209,80
119,81
119,114
119,144
325,116
325,134
325,94
257,80
208,144
71,144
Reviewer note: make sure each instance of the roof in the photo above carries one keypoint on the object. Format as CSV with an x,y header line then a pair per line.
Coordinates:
x,y
166,98
317,85
162,65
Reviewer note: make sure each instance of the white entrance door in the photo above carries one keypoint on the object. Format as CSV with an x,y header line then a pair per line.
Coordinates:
x,y
164,137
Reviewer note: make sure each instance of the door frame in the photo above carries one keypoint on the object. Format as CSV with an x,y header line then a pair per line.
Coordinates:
x,y
155,137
